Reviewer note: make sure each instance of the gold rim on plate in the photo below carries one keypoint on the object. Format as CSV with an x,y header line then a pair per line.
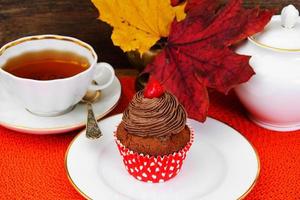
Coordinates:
x,y
61,128
67,171
89,198
257,159
57,37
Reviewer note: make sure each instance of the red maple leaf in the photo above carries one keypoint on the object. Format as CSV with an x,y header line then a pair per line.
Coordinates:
x,y
197,54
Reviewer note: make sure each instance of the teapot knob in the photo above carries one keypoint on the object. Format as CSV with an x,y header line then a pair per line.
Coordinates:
x,y
289,16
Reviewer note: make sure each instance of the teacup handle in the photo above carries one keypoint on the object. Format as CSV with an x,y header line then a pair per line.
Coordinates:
x,y
103,76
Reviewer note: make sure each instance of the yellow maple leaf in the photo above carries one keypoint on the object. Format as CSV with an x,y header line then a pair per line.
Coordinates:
x,y
138,24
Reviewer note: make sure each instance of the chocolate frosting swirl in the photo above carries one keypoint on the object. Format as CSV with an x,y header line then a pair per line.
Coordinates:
x,y
156,117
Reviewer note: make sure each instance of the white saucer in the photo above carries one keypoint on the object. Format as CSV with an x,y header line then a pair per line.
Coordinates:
x,y
221,164
15,117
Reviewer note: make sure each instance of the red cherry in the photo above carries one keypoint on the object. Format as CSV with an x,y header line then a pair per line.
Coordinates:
x,y
153,89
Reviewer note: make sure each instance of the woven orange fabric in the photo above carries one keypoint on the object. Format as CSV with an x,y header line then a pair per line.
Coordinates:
x,y
32,167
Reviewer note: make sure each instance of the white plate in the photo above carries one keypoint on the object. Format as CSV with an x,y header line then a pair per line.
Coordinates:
x,y
15,117
221,164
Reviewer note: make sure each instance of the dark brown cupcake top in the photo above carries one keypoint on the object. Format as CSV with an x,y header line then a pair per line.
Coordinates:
x,y
156,117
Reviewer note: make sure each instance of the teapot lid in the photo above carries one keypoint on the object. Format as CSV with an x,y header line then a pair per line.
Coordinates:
x,y
282,32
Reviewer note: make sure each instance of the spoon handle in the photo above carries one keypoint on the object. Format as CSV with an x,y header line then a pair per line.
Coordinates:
x,y
92,128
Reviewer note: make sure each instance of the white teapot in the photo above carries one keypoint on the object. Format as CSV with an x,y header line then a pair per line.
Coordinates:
x,y
272,95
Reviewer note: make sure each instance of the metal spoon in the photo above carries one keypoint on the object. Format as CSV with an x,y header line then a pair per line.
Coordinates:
x,y
92,129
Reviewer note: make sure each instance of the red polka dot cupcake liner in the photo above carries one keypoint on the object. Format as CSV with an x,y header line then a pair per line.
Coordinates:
x,y
153,169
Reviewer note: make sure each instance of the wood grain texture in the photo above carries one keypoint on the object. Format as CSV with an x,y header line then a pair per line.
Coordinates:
x,y
77,18
279,4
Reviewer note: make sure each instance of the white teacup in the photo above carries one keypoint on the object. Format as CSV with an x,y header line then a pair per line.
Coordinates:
x,y
58,96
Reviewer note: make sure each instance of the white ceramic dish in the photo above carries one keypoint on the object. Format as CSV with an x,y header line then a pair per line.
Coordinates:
x,y
221,164
272,95
15,117
56,96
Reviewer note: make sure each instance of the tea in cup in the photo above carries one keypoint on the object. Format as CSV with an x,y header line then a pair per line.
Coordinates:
x,y
50,74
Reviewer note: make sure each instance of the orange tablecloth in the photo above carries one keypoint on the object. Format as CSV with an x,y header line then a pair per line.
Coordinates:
x,y
32,166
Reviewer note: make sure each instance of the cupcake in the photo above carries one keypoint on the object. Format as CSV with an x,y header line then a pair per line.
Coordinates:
x,y
153,137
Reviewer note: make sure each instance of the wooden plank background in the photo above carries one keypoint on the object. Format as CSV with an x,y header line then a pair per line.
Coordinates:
x,y
77,18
